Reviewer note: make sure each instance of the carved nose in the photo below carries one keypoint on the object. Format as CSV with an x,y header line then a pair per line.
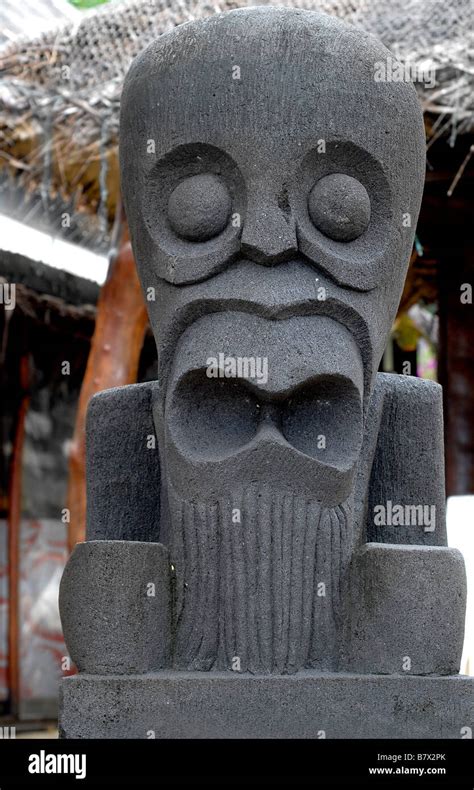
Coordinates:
x,y
269,236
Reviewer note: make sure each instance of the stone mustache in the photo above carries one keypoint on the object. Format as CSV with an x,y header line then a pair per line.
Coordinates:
x,y
272,189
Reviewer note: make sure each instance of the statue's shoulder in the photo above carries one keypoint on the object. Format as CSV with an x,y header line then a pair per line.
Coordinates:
x,y
411,415
408,466
395,388
106,405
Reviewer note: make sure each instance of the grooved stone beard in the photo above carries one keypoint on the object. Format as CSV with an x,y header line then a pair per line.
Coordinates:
x,y
259,579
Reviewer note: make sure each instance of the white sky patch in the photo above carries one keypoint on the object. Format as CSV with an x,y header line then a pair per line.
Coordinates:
x,y
39,246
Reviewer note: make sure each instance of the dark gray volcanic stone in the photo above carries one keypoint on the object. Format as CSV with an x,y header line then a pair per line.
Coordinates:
x,y
199,207
123,469
229,705
114,598
340,207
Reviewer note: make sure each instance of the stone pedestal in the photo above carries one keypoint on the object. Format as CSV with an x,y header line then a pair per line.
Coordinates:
x,y
232,705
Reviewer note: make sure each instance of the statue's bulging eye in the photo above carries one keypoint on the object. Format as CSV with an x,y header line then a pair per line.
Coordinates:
x,y
339,207
199,207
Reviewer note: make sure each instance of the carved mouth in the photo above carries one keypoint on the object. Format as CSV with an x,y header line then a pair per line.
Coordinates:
x,y
321,419
300,420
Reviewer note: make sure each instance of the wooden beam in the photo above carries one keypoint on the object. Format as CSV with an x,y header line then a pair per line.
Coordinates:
x,y
54,312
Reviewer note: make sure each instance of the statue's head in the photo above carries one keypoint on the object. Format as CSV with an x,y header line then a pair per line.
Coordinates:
x,y
272,187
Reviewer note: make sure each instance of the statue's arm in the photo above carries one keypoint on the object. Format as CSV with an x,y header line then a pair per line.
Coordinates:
x,y
408,467
405,581
123,473
115,593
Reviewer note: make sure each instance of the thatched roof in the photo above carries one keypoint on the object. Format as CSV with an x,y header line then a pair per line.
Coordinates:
x,y
60,93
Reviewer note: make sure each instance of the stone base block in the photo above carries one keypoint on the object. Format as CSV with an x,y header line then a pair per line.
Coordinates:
x,y
232,705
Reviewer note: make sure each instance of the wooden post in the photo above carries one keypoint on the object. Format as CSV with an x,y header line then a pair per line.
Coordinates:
x,y
446,222
113,361
456,370
14,526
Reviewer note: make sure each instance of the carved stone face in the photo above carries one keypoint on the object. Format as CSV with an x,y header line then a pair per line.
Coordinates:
x,y
272,188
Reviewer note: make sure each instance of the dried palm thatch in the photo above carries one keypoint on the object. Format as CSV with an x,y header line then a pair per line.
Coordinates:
x,y
60,93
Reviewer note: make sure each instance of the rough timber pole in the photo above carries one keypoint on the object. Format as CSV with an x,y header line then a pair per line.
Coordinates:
x,y
113,361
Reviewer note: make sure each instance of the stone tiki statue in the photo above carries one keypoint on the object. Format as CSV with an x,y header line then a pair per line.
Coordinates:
x,y
266,550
